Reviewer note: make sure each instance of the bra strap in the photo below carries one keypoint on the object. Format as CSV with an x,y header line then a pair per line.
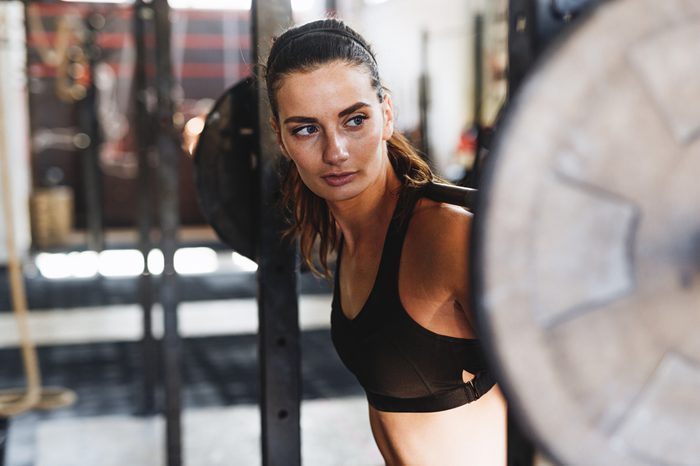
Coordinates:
x,y
458,396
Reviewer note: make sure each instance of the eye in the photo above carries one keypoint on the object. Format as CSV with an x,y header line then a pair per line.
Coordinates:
x,y
357,120
305,130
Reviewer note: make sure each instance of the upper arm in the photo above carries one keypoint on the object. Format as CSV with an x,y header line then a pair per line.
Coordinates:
x,y
453,254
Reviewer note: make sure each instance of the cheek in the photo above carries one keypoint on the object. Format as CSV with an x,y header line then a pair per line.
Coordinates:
x,y
306,163
374,147
369,143
297,151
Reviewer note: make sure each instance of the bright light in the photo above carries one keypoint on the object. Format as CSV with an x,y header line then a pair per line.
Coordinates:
x,y
129,263
210,4
84,264
195,126
195,261
188,261
191,132
121,263
72,265
100,1
297,5
53,265
156,262
243,263
374,2
303,5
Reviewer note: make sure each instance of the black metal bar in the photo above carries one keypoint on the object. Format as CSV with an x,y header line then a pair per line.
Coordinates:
x,y
424,95
142,15
279,345
457,195
478,98
168,153
4,434
520,449
89,142
521,41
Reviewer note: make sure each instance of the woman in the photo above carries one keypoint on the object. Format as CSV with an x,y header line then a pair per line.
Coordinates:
x,y
400,318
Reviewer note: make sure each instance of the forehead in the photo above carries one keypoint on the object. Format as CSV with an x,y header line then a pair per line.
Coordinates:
x,y
329,88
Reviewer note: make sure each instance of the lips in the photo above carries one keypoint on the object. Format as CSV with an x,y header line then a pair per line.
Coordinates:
x,y
339,179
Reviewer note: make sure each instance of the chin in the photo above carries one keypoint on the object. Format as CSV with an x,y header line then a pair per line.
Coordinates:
x,y
338,194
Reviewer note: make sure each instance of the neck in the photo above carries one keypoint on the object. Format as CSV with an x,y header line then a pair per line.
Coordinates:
x,y
364,218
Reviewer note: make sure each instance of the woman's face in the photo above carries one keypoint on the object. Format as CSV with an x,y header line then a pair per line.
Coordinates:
x,y
333,127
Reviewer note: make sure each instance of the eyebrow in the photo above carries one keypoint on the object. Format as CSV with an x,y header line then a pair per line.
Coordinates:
x,y
351,109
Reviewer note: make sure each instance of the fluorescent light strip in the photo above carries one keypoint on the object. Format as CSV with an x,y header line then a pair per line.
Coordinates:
x,y
210,4
241,5
121,263
126,2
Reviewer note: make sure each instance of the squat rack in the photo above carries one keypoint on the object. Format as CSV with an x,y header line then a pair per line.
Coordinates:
x,y
278,267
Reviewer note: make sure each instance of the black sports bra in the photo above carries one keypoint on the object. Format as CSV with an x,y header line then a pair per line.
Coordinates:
x,y
403,366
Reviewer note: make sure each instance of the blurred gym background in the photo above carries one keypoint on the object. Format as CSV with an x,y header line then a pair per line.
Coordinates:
x,y
77,104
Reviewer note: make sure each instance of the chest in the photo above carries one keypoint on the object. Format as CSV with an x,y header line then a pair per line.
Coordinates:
x,y
409,279
358,274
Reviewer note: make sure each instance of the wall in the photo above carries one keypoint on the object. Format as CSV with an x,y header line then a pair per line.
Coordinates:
x,y
394,27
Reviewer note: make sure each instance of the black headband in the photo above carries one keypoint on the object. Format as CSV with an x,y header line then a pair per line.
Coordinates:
x,y
287,38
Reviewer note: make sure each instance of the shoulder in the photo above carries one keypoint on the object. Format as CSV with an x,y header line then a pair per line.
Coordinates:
x,y
438,240
435,220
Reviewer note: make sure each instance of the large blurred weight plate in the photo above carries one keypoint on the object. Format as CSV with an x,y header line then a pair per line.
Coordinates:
x,y
225,168
587,241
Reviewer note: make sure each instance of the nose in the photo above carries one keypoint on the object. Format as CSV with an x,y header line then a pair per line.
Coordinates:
x,y
335,150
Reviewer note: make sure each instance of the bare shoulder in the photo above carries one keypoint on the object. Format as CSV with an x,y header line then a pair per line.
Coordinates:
x,y
436,255
439,242
447,223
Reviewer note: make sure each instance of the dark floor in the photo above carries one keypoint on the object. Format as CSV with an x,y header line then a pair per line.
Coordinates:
x,y
216,371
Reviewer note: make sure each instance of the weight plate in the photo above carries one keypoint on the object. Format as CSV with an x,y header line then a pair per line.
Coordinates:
x,y
586,259
225,168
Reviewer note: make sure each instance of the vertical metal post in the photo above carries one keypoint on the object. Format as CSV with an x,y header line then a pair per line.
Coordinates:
x,y
142,15
424,95
277,275
521,42
168,152
90,141
331,8
4,433
478,97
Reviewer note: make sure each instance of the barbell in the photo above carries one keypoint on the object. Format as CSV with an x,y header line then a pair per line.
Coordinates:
x,y
586,241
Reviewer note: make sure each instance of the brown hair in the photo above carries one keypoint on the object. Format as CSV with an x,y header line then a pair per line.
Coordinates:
x,y
304,49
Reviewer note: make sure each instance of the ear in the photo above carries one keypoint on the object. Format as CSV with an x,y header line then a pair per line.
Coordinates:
x,y
275,127
388,113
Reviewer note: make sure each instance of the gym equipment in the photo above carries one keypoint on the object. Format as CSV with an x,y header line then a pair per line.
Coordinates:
x,y
450,194
532,26
236,175
226,169
586,246
18,400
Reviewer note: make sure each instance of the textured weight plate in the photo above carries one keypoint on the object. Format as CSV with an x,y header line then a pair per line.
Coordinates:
x,y
225,173
587,241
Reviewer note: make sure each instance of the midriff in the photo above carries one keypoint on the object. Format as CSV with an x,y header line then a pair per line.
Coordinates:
x,y
473,434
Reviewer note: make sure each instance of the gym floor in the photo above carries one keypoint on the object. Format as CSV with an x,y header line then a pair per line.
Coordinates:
x,y
96,352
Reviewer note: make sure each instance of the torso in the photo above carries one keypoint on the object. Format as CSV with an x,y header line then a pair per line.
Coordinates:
x,y
471,434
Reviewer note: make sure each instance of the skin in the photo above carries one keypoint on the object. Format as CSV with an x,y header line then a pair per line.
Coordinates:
x,y
333,127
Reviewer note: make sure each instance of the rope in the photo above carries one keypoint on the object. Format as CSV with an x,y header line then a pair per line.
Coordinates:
x,y
16,401
69,30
